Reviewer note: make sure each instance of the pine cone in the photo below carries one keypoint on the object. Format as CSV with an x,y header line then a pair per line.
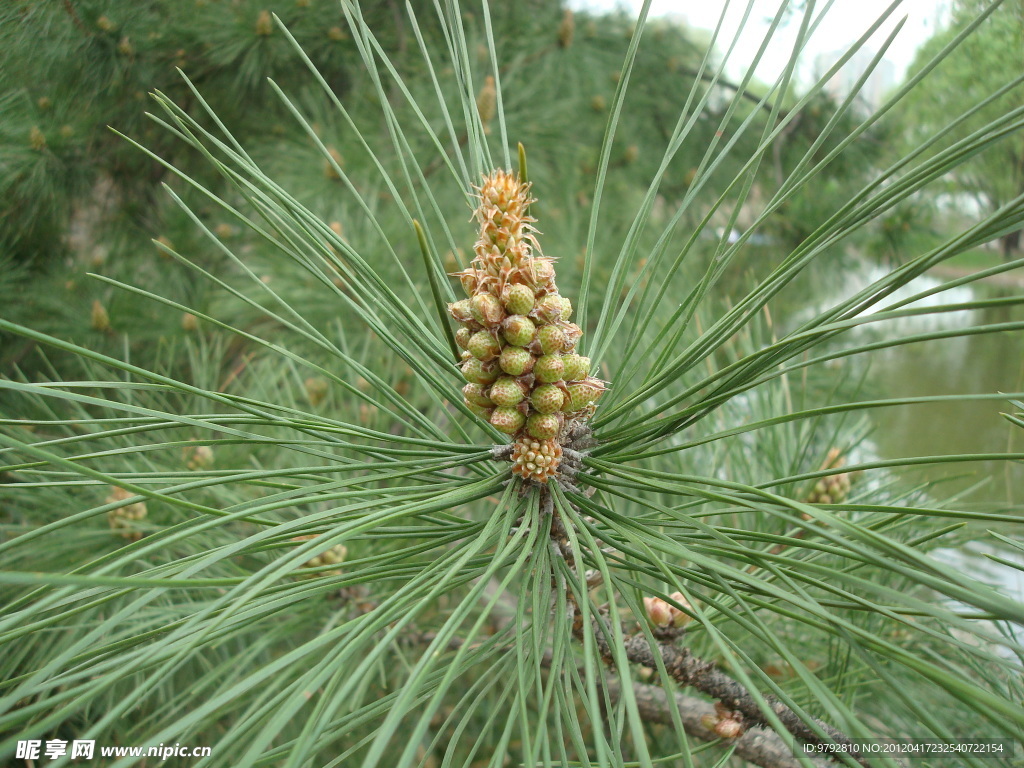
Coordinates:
x,y
124,519
525,375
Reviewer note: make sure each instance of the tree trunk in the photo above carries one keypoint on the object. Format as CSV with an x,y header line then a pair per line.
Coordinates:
x,y
1009,244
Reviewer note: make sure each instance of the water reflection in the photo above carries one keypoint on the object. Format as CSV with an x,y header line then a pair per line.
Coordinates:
x,y
978,364
972,364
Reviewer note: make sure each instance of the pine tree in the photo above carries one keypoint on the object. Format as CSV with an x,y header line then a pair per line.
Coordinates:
x,y
305,529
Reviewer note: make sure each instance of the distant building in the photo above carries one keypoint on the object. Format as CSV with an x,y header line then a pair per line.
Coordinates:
x,y
874,90
925,18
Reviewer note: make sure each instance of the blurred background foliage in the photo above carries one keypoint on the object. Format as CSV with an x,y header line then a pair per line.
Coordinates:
x,y
78,198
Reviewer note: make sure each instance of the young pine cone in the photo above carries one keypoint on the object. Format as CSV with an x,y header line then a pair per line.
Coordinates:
x,y
124,519
333,556
831,489
519,348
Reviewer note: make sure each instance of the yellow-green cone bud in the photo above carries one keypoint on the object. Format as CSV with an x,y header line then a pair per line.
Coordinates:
x,y
548,368
581,395
577,367
99,319
519,331
571,365
483,346
549,309
264,24
538,272
486,309
462,311
462,337
566,29
480,410
472,279
547,398
474,393
334,555
507,419
476,371
516,361
543,426
566,308
122,518
506,391
572,334
551,339
199,457
316,389
518,299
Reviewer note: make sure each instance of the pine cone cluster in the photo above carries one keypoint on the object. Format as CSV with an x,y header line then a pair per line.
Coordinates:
x,y
663,614
725,723
831,489
333,556
519,348
124,519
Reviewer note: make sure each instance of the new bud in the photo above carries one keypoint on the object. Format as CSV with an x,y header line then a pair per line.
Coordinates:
x,y
519,330
507,419
657,611
680,619
547,398
506,391
663,614
516,361
543,426
728,728
518,299
549,368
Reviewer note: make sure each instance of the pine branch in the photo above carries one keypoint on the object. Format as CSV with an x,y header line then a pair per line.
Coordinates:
x,y
686,669
70,9
736,88
758,746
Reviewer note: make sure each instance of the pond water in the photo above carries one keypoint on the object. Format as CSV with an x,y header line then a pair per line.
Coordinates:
x,y
978,364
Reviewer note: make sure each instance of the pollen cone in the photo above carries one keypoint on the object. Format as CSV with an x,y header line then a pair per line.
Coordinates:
x,y
519,346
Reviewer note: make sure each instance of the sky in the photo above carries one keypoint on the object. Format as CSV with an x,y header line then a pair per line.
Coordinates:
x,y
840,26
